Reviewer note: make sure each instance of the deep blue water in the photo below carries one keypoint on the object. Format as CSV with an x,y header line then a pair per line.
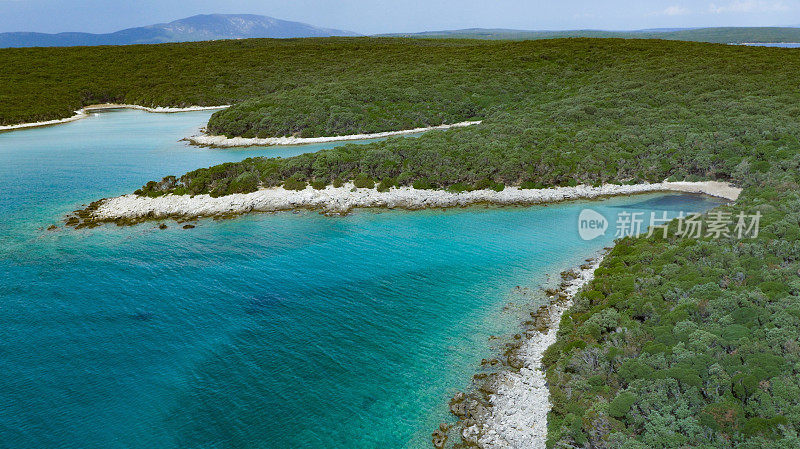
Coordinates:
x,y
267,331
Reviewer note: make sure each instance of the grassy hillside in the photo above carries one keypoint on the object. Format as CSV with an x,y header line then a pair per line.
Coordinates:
x,y
678,342
721,35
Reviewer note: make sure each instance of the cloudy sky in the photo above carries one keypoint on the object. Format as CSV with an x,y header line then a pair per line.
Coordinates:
x,y
382,16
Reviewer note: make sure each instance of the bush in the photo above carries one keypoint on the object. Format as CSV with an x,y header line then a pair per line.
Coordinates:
x,y
488,184
621,405
532,185
576,344
294,184
244,183
633,369
763,426
459,187
386,184
734,333
723,416
363,181
319,184
423,184
483,184
689,377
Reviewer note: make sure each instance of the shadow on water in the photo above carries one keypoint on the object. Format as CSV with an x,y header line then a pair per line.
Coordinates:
x,y
142,315
265,304
675,202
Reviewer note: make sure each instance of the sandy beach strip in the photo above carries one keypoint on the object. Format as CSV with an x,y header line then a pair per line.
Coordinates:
x,y
222,141
340,200
85,112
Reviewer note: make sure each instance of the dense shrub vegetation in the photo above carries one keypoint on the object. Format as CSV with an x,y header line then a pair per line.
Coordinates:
x,y
286,86
677,342
555,113
682,343
347,108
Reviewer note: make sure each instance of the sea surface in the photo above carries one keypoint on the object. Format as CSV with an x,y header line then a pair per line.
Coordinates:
x,y
267,331
774,44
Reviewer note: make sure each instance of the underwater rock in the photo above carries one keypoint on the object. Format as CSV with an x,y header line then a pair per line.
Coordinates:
x,y
515,361
439,436
570,275
263,303
142,316
457,407
491,385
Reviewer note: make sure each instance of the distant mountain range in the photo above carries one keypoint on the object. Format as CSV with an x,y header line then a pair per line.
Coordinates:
x,y
723,35
195,28
244,26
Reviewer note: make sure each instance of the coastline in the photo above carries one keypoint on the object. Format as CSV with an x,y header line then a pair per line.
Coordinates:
x,y
208,140
84,112
132,209
509,408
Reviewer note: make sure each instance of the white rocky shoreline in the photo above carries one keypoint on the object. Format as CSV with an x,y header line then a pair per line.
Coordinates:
x,y
223,141
516,415
341,200
85,112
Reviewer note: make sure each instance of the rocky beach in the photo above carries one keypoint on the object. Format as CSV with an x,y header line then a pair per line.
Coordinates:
x,y
130,209
508,408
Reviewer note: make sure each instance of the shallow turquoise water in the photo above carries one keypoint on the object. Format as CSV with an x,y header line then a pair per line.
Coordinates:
x,y
267,331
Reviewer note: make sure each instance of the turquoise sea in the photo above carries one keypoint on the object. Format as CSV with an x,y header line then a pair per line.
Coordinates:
x,y
267,331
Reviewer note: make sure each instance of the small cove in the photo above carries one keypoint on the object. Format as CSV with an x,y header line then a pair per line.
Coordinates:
x,y
272,330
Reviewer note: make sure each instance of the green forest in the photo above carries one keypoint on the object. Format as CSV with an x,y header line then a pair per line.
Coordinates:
x,y
554,113
686,343
677,343
309,87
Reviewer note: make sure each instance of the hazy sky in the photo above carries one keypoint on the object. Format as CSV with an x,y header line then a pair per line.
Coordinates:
x,y
381,16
